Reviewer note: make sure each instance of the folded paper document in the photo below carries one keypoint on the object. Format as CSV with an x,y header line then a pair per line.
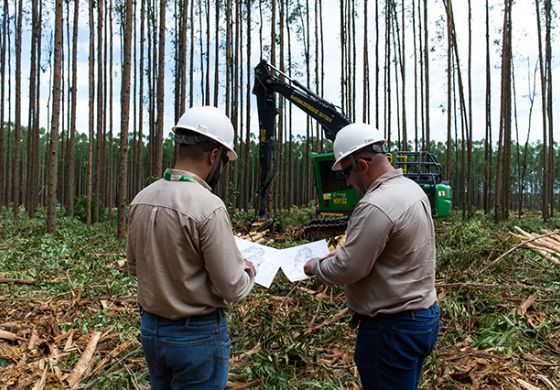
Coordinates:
x,y
268,260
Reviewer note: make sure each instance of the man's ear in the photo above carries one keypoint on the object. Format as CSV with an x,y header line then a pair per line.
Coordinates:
x,y
212,156
363,165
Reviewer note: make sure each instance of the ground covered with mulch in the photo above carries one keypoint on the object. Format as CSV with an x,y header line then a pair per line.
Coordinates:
x,y
69,319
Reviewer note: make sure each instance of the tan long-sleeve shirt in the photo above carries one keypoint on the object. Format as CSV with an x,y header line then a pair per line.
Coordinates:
x,y
387,264
181,248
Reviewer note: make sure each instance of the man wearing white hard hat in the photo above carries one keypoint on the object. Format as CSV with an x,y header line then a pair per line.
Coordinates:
x,y
182,250
387,264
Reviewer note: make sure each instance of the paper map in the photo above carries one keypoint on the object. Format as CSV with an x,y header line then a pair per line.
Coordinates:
x,y
268,260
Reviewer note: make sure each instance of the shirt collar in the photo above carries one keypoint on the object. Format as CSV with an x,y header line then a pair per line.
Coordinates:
x,y
187,173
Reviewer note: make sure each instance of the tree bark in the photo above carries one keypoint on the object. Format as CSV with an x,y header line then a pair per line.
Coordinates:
x,y
53,166
125,109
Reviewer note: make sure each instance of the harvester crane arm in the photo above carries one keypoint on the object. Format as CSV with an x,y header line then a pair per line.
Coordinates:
x,y
270,81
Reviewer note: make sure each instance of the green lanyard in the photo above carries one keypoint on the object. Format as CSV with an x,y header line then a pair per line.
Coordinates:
x,y
176,177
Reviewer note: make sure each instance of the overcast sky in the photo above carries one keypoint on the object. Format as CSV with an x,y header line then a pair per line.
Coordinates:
x,y
525,52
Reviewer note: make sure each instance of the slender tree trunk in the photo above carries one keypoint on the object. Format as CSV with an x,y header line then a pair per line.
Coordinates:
x,y
139,155
91,118
469,126
99,142
160,90
427,77
33,128
504,143
72,131
549,106
3,168
488,122
17,127
217,52
125,110
53,166
245,182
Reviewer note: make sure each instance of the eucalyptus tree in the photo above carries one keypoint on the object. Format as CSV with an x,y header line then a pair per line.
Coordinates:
x,y
91,119
32,185
125,111
501,208
99,143
160,91
55,119
70,171
16,182
3,44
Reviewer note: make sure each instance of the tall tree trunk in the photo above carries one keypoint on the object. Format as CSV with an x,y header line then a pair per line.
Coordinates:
x,y
17,127
549,106
217,51
3,168
426,77
469,122
125,110
72,130
160,90
100,121
139,155
53,166
504,143
89,191
488,122
33,128
245,177
207,100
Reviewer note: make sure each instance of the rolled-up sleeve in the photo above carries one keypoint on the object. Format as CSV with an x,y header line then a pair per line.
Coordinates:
x,y
368,232
222,259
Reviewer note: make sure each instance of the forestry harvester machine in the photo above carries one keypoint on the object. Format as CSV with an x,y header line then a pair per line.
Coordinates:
x,y
336,200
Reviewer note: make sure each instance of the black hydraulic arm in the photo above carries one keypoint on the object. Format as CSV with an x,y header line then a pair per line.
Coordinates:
x,y
270,81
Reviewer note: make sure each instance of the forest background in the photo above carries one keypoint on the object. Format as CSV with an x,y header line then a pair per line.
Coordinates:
x,y
472,84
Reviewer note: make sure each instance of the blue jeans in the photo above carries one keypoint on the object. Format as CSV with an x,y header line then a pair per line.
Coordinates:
x,y
391,349
191,353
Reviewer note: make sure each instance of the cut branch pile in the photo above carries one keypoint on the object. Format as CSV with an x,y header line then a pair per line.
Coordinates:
x,y
36,351
546,244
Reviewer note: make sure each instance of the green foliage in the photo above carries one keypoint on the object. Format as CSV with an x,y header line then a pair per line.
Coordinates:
x,y
298,216
507,333
80,208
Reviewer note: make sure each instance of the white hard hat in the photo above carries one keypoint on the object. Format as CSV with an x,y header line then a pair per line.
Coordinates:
x,y
352,138
210,122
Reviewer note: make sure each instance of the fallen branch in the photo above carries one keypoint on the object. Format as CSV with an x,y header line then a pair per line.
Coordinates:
x,y
494,262
85,361
17,281
9,336
480,286
330,321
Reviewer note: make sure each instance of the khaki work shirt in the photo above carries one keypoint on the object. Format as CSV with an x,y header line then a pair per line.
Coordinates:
x,y
182,250
388,261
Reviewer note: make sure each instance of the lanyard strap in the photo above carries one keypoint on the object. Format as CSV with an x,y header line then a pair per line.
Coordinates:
x,y
176,177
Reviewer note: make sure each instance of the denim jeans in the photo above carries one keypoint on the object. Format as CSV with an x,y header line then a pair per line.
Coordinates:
x,y
391,349
192,353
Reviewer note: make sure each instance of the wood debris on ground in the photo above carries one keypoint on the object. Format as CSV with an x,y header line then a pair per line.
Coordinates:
x,y
36,351
546,243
